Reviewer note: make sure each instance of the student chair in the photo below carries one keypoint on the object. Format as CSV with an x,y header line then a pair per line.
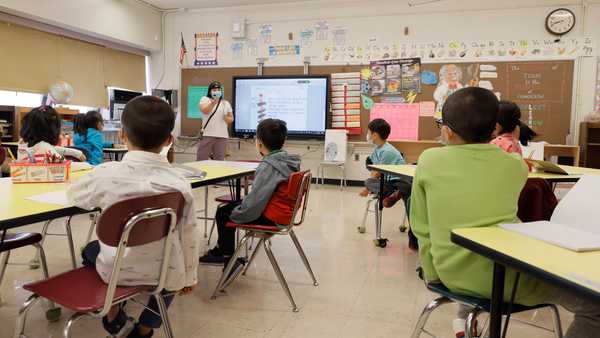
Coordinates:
x,y
372,207
478,306
125,224
298,191
334,155
9,242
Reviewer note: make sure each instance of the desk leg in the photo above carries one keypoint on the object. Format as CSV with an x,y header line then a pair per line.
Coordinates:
x,y
238,189
379,241
497,300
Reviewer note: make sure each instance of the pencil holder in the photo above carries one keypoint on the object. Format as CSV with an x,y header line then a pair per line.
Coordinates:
x,y
24,172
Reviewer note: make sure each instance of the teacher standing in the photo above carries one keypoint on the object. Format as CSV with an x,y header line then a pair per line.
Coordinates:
x,y
217,116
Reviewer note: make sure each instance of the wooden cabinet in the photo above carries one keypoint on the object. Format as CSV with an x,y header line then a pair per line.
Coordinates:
x,y
589,140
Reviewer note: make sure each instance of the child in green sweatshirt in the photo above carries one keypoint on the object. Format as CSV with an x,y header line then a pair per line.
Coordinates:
x,y
471,183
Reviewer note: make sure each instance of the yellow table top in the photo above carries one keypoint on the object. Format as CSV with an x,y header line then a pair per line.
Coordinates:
x,y
554,264
574,172
14,203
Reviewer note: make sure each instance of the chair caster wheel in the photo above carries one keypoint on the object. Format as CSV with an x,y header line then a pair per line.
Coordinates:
x,y
295,310
402,228
316,284
380,242
361,229
53,315
34,264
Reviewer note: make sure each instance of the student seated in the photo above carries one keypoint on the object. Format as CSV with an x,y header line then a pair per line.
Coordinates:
x,y
147,124
508,127
471,183
88,136
40,134
384,153
261,205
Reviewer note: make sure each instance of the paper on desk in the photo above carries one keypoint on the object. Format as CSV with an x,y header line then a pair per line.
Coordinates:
x,y
574,224
534,150
565,236
53,197
579,208
80,166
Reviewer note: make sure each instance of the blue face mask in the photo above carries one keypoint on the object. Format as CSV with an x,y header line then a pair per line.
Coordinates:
x,y
216,94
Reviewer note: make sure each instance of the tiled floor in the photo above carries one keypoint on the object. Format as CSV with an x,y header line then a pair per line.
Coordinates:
x,y
364,291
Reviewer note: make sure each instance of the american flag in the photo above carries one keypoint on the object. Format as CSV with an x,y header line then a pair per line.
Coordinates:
x,y
182,51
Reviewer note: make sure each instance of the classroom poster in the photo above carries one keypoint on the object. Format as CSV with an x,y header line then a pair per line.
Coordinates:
x,y
393,77
194,94
284,50
402,117
206,48
465,50
346,102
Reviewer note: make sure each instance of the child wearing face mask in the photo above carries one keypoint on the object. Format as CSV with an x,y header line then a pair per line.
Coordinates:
x,y
384,153
259,206
217,115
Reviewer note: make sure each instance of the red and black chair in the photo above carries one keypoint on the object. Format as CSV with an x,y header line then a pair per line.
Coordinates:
x,y
125,224
298,187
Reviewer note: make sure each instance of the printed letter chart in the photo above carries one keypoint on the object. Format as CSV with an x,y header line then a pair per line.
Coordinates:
x,y
345,102
402,117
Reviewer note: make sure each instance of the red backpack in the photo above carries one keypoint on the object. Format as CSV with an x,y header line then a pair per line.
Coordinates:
x,y
280,208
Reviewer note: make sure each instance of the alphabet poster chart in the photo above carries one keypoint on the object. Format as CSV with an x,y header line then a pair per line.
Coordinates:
x,y
205,49
402,117
345,102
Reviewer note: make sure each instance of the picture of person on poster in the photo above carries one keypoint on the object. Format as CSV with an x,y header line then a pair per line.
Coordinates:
x,y
450,81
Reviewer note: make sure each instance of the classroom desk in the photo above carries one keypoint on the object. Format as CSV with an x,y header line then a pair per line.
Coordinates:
x,y
115,154
577,272
575,174
16,210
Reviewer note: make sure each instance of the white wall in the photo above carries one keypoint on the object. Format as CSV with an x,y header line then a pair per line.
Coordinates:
x,y
385,20
122,21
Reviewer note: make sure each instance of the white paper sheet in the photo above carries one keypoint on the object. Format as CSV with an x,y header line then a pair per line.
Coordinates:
x,y
580,208
534,150
575,223
53,197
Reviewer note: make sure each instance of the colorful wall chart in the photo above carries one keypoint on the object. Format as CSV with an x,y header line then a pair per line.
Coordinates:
x,y
395,76
346,102
442,51
194,94
284,50
402,117
206,48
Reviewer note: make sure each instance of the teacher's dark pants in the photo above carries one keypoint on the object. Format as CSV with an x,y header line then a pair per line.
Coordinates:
x,y
211,147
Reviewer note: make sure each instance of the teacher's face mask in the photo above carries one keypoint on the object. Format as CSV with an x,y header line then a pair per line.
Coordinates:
x,y
216,94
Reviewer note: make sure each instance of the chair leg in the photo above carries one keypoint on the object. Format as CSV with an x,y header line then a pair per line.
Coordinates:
x,y
279,274
206,212
93,220
35,261
434,304
22,316
558,332
362,227
253,255
70,240
164,314
69,324
303,256
212,229
3,263
471,323
223,281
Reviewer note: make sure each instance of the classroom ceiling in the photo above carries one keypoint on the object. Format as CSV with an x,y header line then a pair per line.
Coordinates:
x,y
199,4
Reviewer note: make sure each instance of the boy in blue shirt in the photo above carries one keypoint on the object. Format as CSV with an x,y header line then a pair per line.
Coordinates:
x,y
384,153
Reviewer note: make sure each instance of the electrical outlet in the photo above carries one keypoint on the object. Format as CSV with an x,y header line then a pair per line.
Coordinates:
x,y
356,157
